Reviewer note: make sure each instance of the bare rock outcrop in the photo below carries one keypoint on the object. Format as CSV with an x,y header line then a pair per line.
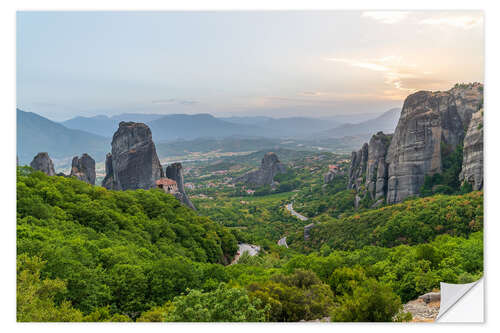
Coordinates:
x,y
368,169
133,163
376,169
431,124
332,173
270,167
307,231
472,167
83,168
174,172
42,162
107,182
468,99
357,169
429,121
329,176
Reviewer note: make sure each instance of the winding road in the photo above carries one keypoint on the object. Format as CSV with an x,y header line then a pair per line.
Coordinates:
x,y
289,207
294,213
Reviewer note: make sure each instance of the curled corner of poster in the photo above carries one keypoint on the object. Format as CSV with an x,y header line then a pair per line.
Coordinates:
x,y
462,303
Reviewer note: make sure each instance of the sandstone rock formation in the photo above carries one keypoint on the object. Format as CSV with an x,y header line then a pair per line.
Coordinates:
x,y
368,169
307,231
133,163
395,167
107,182
83,168
472,167
357,168
468,99
174,172
270,167
331,174
376,168
429,121
42,162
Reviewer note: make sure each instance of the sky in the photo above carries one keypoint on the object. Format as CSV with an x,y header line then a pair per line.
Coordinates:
x,y
242,63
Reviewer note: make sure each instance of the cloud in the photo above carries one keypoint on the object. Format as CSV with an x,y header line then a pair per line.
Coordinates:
x,y
374,64
174,101
464,22
401,76
311,93
387,17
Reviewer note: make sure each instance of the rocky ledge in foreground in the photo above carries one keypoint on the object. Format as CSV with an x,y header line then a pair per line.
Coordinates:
x,y
425,308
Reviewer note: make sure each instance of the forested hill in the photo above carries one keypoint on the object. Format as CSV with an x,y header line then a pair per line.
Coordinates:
x,y
89,254
124,251
414,221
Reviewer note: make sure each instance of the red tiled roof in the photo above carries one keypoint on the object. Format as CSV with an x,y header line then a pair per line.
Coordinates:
x,y
166,182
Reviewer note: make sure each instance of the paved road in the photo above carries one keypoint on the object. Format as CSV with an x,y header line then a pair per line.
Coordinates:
x,y
294,213
282,242
289,207
252,250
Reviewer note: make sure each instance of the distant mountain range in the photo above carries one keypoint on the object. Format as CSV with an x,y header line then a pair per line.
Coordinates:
x,y
104,125
92,135
184,126
38,134
386,123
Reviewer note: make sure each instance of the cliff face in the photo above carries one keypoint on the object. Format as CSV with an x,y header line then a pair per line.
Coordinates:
x,y
468,99
395,167
174,172
472,167
83,168
42,162
428,120
133,163
107,182
368,169
357,168
376,169
270,167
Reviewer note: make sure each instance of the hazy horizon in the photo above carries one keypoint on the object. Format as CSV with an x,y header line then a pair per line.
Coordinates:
x,y
256,63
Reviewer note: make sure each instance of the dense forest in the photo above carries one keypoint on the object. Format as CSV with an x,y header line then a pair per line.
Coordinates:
x,y
89,254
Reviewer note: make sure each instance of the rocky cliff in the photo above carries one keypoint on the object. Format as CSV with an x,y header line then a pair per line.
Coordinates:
x,y
133,163
468,99
377,168
42,162
83,168
368,169
472,167
428,120
357,168
270,167
107,182
431,124
174,172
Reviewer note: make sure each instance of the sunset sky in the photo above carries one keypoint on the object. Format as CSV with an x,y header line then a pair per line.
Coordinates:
x,y
307,63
